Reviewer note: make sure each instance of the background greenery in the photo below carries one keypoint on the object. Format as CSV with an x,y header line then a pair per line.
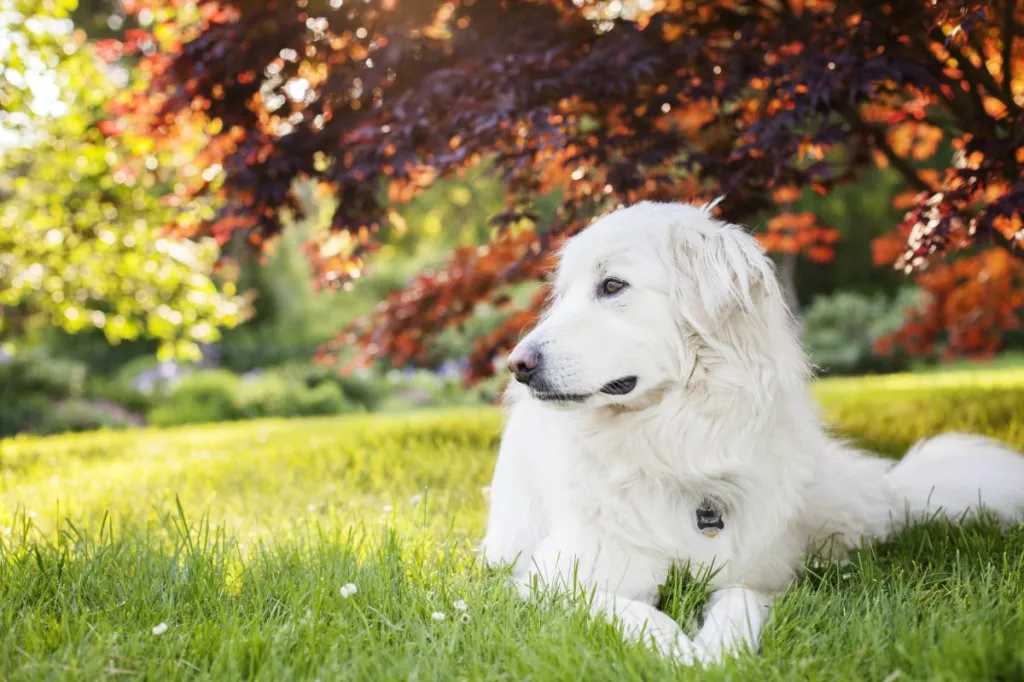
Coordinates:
x,y
849,306
81,211
104,322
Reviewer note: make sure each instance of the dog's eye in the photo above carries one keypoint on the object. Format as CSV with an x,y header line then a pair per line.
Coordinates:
x,y
611,286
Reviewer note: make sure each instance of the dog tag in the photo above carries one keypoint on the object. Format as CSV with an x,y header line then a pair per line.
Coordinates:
x,y
709,517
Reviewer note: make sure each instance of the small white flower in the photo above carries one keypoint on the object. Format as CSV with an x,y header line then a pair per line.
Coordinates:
x,y
464,618
437,615
160,629
348,590
460,605
311,507
415,499
387,508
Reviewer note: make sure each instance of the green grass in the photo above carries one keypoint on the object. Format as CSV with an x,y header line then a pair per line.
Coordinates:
x,y
1006,359
239,537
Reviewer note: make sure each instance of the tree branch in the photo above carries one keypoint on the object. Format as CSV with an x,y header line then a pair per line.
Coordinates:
x,y
968,112
1002,241
944,126
909,173
1009,33
979,75
1008,36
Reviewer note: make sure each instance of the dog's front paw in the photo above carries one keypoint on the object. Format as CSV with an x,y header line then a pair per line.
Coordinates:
x,y
676,646
685,652
709,655
691,654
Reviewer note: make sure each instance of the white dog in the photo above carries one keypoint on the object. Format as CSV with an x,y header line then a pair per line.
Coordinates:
x,y
663,416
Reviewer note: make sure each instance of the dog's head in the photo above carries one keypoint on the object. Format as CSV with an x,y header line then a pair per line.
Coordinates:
x,y
638,297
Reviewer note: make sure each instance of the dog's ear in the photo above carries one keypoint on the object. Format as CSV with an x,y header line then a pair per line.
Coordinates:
x,y
723,274
732,314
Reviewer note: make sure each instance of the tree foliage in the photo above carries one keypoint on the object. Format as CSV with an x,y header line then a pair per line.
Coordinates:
x,y
603,103
30,46
82,210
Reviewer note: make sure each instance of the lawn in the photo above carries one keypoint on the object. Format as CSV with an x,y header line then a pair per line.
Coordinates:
x,y
221,552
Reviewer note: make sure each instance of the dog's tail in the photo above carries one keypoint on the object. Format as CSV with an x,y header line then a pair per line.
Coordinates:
x,y
955,473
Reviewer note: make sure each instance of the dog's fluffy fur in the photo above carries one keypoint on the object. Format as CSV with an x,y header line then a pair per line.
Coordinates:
x,y
598,491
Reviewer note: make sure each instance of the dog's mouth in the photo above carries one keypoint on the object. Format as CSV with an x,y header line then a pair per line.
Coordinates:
x,y
620,386
559,397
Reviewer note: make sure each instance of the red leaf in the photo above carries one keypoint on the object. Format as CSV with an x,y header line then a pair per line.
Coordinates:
x,y
109,50
111,127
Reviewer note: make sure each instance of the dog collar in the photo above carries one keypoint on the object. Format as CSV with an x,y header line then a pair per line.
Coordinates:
x,y
710,513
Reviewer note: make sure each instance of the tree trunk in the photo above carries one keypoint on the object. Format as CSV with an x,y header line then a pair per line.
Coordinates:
x,y
787,276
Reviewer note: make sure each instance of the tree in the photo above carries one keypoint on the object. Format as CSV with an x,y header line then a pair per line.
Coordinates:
x,y
603,102
82,210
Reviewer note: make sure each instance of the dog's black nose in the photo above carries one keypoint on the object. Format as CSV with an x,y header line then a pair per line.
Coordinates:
x,y
524,363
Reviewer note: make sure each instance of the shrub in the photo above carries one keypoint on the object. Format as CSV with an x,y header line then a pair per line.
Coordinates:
x,y
257,345
92,348
421,388
267,396
366,392
841,330
82,415
36,371
209,396
119,389
322,400
272,395
23,413
30,382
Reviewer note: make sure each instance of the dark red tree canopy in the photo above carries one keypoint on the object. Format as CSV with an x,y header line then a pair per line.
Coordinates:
x,y
678,100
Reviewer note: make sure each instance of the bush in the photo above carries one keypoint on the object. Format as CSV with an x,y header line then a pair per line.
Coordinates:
x,y
30,382
291,318
841,330
23,413
82,415
421,388
121,389
253,345
272,395
266,396
91,348
209,396
364,392
322,400
36,371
